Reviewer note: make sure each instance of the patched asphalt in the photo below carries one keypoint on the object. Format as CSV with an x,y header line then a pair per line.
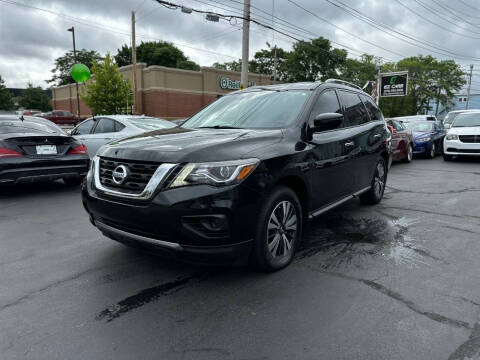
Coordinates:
x,y
399,280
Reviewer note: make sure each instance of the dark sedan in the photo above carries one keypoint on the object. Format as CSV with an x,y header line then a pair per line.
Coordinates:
x,y
37,149
427,137
402,141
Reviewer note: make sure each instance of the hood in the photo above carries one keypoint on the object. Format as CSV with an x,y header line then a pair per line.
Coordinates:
x,y
417,134
474,130
192,145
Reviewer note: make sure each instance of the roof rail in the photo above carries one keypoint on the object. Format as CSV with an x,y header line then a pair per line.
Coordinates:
x,y
342,82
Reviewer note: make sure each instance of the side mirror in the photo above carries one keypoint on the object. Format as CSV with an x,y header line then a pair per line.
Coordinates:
x,y
391,129
327,121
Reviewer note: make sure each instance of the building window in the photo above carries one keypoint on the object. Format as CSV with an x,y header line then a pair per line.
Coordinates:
x,y
462,99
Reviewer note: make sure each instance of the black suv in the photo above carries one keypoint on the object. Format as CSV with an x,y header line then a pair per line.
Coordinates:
x,y
238,179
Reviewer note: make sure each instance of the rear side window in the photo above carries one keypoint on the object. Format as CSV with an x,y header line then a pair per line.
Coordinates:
x,y
119,126
372,109
105,126
327,102
68,113
84,128
354,110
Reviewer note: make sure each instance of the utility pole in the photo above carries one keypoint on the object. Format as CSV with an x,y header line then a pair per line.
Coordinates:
x,y
72,30
275,64
275,59
469,85
245,44
379,85
134,65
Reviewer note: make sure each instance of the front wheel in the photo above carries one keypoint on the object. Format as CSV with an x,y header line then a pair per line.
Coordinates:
x,y
375,194
279,230
409,156
431,154
447,157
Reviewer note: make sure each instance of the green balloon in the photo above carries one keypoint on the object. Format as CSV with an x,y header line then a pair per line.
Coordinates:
x,y
80,73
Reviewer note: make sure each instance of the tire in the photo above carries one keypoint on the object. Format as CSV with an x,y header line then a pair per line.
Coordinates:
x,y
447,157
432,152
375,194
72,181
409,156
277,234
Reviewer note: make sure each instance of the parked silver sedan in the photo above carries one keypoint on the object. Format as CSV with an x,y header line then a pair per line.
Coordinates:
x,y
99,130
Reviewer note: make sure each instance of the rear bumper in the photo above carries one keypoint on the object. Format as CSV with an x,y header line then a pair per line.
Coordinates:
x,y
24,170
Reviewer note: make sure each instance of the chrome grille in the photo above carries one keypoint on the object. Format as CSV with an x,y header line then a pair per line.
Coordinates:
x,y
138,177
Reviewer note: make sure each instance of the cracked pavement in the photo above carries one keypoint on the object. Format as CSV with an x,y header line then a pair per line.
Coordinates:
x,y
395,281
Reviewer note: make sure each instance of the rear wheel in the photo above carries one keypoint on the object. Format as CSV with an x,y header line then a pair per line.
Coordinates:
x,y
279,230
409,156
375,194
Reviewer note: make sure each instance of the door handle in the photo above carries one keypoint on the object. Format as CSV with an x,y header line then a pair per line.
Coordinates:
x,y
376,136
349,144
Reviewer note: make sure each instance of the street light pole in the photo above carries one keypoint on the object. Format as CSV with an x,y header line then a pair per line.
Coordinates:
x,y
469,86
72,30
245,44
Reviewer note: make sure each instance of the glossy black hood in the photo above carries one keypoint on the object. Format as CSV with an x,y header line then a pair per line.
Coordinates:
x,y
192,145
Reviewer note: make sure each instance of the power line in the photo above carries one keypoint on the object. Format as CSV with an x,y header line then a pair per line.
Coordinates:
x,y
455,12
469,6
405,37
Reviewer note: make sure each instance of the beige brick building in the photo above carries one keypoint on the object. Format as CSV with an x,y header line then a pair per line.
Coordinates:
x,y
166,92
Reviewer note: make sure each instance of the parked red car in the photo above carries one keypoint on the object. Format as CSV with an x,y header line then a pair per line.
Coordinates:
x,y
61,117
402,141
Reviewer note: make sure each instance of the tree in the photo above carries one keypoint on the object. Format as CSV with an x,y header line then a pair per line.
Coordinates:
x,y
314,60
360,71
63,64
231,66
156,53
35,98
264,62
108,92
6,102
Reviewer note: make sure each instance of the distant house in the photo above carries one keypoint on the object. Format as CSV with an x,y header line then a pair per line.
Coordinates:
x,y
458,102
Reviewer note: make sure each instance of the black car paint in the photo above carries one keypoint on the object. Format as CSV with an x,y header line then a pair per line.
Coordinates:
x,y
31,167
318,166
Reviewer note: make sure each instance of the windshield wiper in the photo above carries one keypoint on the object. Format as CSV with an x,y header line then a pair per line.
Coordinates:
x,y
219,127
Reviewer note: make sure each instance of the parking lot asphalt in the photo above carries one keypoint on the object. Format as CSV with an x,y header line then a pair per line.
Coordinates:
x,y
399,280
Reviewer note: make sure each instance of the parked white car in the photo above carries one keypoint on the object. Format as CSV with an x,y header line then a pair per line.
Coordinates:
x,y
100,130
463,137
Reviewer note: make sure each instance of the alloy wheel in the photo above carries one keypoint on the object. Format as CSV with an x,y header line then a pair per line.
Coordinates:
x,y
432,151
379,181
282,229
409,153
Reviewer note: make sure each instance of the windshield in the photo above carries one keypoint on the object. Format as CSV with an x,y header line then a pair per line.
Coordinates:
x,y
423,126
450,117
252,109
149,124
467,120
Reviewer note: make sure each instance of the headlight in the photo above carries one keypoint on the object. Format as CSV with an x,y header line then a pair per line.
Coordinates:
x,y
423,139
215,173
91,169
452,137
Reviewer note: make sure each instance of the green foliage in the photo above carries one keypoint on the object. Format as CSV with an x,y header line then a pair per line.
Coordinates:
x,y
360,71
109,92
264,62
156,53
63,64
34,98
231,66
314,60
6,101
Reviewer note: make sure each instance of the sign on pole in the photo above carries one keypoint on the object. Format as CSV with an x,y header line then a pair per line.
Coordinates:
x,y
394,84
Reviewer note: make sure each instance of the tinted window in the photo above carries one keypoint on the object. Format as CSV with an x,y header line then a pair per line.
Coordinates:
x,y
84,128
396,125
372,109
58,113
420,126
119,126
68,113
354,110
105,126
327,102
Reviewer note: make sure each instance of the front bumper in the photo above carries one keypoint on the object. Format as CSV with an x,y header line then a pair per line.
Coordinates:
x,y
25,170
172,223
456,147
422,147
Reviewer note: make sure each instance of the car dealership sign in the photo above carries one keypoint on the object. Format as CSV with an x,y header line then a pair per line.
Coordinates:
x,y
394,84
